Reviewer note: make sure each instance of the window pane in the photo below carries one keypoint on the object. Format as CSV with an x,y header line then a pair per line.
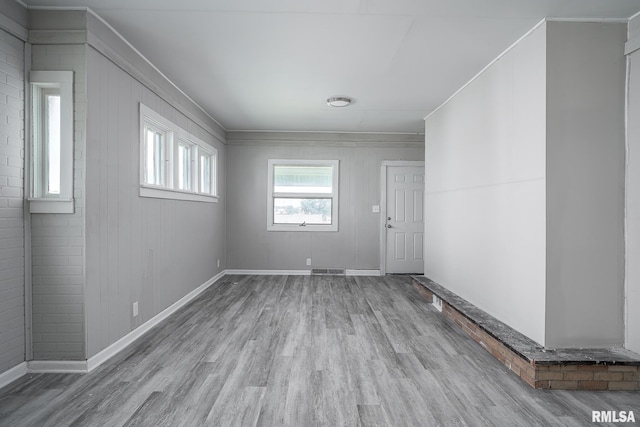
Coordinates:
x,y
184,167
303,179
205,174
299,211
155,156
52,155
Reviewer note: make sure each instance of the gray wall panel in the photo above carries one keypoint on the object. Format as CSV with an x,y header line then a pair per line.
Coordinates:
x,y
585,183
356,244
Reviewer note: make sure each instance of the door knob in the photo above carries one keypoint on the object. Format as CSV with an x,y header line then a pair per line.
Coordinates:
x,y
388,225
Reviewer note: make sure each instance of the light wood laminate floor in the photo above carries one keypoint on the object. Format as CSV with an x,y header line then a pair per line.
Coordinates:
x,y
302,351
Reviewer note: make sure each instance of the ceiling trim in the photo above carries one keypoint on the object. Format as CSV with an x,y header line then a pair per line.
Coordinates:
x,y
325,139
594,20
12,27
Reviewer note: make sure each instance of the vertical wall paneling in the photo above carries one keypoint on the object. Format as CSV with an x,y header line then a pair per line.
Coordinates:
x,y
12,311
145,250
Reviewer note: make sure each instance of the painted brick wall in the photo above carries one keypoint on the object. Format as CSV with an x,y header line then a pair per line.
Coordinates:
x,y
58,239
12,338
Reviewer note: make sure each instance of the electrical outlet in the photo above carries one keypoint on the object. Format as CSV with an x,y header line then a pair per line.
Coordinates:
x,y
135,309
308,261
375,208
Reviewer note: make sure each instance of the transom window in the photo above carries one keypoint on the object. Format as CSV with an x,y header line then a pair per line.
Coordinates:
x,y
173,163
303,195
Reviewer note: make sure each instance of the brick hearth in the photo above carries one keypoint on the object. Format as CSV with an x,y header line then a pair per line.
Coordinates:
x,y
565,369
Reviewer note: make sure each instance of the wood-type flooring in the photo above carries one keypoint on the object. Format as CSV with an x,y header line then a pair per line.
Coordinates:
x,y
302,351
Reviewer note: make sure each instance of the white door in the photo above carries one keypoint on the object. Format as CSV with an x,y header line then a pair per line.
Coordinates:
x,y
405,219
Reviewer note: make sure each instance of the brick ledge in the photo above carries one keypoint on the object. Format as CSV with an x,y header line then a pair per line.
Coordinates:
x,y
564,369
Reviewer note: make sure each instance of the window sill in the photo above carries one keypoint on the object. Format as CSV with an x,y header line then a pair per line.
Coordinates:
x,y
296,227
42,205
165,193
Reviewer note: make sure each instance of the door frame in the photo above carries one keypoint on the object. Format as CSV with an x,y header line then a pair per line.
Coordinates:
x,y
383,205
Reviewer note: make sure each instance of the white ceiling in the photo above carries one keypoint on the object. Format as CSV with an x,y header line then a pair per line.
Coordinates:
x,y
270,65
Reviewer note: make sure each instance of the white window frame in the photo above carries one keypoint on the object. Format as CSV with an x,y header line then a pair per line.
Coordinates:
x,y
174,136
40,200
334,195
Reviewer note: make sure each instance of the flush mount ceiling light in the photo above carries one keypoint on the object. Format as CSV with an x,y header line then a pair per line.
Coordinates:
x,y
338,101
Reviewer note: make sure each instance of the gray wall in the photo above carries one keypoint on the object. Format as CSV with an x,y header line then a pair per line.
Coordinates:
x,y
585,183
633,195
152,251
485,190
12,327
356,244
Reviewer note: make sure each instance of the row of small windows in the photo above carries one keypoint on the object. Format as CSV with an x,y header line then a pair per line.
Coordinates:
x,y
174,163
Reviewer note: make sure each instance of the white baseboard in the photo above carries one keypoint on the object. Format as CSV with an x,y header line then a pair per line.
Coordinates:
x,y
13,374
298,272
132,336
363,272
269,272
57,367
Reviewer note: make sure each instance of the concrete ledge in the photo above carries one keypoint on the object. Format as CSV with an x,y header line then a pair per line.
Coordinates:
x,y
564,369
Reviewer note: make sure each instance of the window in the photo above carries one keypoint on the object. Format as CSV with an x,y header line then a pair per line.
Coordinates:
x,y
173,163
303,195
184,163
51,149
155,155
205,173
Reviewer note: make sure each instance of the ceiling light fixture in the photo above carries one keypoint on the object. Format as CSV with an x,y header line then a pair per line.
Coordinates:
x,y
339,101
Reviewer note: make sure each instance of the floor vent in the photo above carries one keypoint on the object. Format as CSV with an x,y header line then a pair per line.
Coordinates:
x,y
328,272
